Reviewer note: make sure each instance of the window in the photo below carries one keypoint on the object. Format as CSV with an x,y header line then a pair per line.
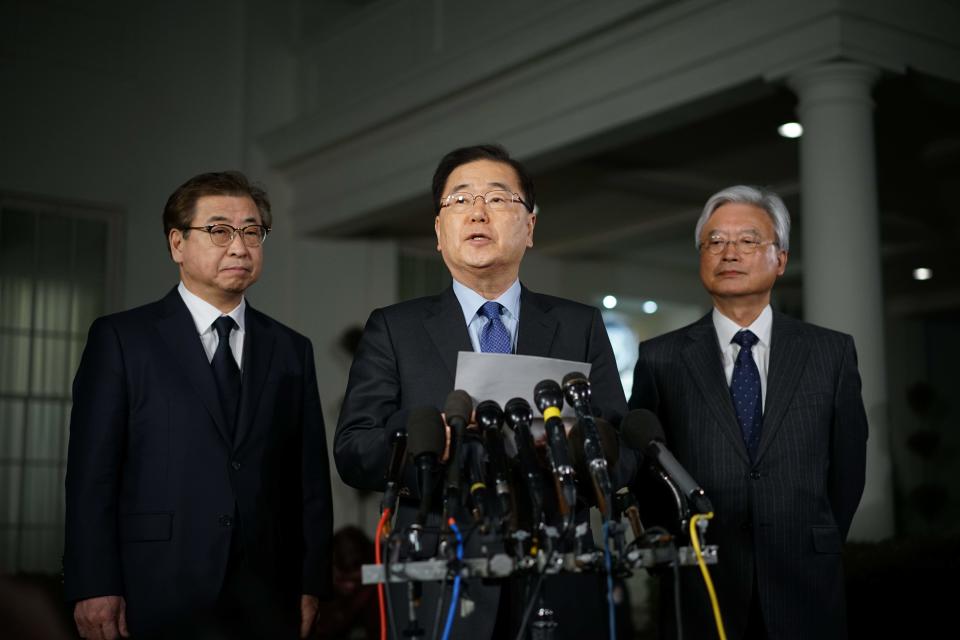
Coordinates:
x,y
56,270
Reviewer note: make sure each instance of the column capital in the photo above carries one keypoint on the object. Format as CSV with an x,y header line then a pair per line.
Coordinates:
x,y
834,81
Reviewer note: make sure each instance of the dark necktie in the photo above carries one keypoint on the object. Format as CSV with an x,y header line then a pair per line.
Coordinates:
x,y
226,372
745,391
494,337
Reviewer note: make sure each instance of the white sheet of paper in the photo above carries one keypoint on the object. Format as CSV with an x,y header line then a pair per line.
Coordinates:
x,y
502,376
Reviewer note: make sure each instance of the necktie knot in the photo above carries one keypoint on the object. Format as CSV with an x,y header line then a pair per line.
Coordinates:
x,y
491,310
223,326
746,339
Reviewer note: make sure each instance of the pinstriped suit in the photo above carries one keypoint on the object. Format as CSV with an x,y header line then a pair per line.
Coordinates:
x,y
785,517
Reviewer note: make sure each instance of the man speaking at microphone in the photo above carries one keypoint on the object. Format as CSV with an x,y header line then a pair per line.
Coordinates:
x,y
407,358
765,412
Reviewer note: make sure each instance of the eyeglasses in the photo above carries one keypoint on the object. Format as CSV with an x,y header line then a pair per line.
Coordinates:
x,y
223,234
745,245
497,200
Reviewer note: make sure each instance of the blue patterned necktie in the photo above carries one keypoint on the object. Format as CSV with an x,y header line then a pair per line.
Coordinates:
x,y
226,372
494,337
745,391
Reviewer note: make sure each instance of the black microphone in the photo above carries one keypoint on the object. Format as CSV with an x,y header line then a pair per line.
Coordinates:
x,y
425,442
398,456
549,399
490,419
519,417
457,409
474,461
641,430
576,388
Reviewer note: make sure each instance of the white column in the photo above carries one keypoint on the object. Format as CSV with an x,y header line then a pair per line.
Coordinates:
x,y
842,286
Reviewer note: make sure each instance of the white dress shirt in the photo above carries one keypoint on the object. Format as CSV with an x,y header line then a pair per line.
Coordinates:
x,y
761,327
471,301
204,314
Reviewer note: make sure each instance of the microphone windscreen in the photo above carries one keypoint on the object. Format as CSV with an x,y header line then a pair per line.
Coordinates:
x,y
459,406
609,442
640,427
425,432
489,415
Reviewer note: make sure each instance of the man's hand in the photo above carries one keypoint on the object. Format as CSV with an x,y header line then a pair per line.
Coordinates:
x,y
473,426
102,618
309,605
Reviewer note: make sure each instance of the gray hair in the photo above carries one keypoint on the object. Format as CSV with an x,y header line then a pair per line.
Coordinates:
x,y
758,197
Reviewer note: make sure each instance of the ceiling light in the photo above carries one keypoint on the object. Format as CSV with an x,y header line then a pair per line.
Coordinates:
x,y
650,306
609,302
922,273
790,130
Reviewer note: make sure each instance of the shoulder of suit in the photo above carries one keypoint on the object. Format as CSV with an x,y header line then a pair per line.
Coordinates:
x,y
807,329
271,324
548,302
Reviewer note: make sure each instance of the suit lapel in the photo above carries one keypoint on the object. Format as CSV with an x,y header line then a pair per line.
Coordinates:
x,y
537,326
704,361
177,329
257,359
788,356
444,324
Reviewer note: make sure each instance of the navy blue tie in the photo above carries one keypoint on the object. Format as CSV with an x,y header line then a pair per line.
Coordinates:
x,y
494,337
226,372
745,391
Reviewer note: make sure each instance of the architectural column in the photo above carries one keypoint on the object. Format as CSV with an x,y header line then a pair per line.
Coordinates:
x,y
842,279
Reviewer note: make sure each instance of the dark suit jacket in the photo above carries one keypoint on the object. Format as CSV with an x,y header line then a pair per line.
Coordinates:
x,y
786,516
407,358
154,483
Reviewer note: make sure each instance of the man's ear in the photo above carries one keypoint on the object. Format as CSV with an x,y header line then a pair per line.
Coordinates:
x,y
175,239
781,262
531,223
436,230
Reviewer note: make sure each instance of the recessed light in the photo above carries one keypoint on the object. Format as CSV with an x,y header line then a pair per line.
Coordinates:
x,y
790,130
650,306
922,273
609,302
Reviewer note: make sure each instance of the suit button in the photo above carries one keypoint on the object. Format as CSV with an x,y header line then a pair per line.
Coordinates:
x,y
754,475
226,521
235,465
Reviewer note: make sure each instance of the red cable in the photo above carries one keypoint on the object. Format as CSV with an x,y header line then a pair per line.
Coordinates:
x,y
384,517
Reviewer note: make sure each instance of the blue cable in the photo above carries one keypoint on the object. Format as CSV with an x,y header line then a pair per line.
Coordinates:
x,y
607,564
456,582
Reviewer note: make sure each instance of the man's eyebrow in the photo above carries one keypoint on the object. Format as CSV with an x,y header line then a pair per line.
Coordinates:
x,y
217,217
491,186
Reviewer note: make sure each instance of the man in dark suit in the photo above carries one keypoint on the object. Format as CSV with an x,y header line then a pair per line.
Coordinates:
x,y
765,412
198,489
484,205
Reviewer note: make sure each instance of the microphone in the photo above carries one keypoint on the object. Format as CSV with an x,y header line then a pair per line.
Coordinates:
x,y
609,442
490,419
398,456
457,409
519,417
642,431
473,460
425,441
549,399
576,388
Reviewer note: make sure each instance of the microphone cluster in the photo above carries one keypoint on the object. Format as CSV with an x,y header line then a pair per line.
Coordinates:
x,y
485,468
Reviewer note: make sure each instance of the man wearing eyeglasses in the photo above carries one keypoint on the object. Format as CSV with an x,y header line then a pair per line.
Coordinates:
x,y
765,412
484,221
198,491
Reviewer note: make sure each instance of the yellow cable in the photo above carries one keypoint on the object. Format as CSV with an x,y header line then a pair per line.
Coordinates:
x,y
695,541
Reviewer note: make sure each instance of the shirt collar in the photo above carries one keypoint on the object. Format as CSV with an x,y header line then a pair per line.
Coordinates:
x,y
204,313
470,301
726,328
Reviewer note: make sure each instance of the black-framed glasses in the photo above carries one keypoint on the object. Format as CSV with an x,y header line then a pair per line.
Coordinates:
x,y
745,245
223,234
496,200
